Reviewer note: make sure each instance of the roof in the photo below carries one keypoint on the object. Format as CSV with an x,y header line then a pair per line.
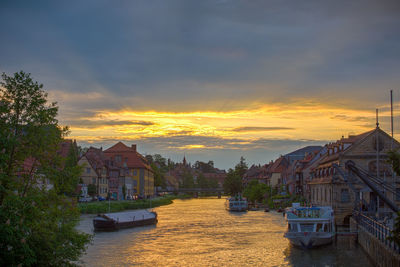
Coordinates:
x,y
354,138
302,153
65,147
130,158
349,140
279,165
96,158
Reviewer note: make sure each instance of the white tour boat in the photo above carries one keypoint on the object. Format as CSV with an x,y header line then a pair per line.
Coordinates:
x,y
309,226
236,203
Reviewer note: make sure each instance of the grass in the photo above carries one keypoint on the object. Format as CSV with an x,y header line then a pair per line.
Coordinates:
x,y
115,206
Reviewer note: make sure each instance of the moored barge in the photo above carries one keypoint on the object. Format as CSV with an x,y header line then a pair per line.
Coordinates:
x,y
121,220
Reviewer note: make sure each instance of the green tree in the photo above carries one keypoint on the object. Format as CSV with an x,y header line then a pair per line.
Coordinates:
x,y
92,190
394,159
255,191
202,182
213,183
233,183
205,167
188,181
241,167
159,175
160,161
37,224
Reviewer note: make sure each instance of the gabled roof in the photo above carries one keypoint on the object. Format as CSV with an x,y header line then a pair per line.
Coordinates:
x,y
130,158
96,157
65,147
119,148
303,151
354,138
279,165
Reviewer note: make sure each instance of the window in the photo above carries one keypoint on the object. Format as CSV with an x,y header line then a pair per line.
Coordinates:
x,y
345,196
307,227
87,170
292,227
134,172
118,158
93,180
397,194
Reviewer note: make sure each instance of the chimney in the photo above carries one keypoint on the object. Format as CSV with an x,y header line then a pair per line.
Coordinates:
x,y
133,147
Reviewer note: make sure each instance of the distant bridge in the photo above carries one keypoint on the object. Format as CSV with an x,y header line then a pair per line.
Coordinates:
x,y
196,191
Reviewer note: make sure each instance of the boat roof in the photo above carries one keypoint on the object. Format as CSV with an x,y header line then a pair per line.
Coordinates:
x,y
126,216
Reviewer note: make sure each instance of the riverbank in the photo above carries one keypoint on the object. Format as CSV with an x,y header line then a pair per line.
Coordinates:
x,y
115,206
198,232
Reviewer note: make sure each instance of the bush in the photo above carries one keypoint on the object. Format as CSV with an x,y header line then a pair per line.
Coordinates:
x,y
115,206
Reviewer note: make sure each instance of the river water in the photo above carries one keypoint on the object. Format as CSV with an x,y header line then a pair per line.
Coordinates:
x,y
200,232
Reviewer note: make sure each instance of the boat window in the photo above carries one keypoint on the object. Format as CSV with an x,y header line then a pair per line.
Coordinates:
x,y
307,227
292,227
319,227
326,228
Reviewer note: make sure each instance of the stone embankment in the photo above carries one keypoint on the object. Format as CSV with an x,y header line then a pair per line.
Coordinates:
x,y
381,253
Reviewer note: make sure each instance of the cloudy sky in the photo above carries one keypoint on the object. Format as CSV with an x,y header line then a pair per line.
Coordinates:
x,y
210,79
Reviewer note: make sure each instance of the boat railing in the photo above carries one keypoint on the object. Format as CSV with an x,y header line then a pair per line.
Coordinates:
x,y
377,229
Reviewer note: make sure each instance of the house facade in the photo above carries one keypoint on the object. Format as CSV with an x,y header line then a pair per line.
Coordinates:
x,y
95,171
138,175
257,173
277,171
327,186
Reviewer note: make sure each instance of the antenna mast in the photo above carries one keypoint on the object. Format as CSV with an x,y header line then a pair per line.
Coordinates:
x,y
391,117
377,157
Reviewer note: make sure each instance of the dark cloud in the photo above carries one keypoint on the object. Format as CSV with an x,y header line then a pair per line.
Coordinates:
x,y
190,55
260,129
197,52
353,118
101,123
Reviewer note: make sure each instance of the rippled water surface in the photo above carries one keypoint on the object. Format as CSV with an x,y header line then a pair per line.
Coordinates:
x,y
200,232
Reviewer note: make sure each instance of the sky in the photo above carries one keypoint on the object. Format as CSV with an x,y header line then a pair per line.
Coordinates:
x,y
211,80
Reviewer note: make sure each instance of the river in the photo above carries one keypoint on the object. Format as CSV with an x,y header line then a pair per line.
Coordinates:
x,y
200,232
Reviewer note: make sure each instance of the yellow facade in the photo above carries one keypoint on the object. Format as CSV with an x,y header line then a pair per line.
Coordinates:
x,y
143,181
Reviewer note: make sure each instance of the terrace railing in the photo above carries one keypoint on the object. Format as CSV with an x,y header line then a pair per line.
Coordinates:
x,y
377,229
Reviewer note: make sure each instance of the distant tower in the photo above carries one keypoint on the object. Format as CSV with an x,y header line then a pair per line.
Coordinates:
x,y
184,160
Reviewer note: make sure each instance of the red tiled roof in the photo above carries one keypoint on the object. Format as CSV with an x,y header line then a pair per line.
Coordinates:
x,y
279,165
129,156
65,147
96,158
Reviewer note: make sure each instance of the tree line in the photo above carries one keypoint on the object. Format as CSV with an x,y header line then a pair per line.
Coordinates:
x,y
37,223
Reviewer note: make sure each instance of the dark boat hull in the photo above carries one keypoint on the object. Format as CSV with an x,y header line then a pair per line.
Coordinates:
x,y
102,223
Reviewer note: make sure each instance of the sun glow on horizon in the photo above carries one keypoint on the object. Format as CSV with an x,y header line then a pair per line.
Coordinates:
x,y
312,122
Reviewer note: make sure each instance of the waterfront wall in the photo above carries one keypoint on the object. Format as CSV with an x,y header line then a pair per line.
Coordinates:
x,y
380,254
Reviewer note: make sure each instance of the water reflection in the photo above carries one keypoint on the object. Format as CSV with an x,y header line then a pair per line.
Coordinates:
x,y
199,232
